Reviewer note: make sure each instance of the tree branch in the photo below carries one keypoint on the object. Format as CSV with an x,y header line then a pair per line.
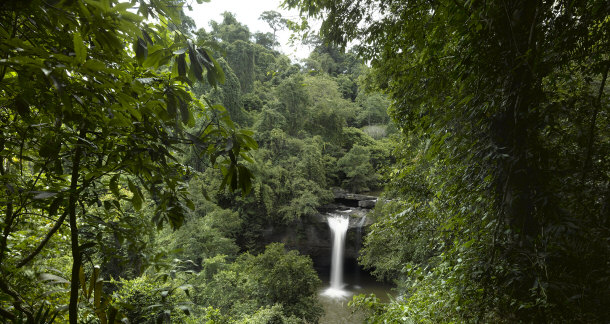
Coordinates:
x,y
18,300
40,246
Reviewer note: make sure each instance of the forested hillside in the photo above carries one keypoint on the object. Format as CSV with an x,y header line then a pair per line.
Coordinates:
x,y
141,160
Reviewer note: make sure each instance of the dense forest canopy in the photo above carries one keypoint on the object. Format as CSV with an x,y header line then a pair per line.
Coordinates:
x,y
498,203
141,161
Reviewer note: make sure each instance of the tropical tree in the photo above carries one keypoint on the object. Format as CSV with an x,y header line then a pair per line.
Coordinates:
x,y
83,116
274,20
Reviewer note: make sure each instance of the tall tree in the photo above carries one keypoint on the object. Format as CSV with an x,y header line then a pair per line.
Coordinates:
x,y
293,96
475,83
274,20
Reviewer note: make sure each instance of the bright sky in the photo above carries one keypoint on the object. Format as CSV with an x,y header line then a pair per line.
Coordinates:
x,y
247,12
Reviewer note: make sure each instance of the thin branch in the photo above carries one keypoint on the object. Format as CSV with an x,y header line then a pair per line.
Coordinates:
x,y
41,245
18,300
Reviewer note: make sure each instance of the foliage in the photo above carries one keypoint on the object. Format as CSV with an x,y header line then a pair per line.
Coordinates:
x,y
104,145
274,20
293,98
359,172
144,301
229,95
84,116
500,104
271,315
284,281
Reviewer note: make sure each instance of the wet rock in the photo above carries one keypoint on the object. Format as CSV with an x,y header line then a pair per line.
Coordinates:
x,y
367,203
311,235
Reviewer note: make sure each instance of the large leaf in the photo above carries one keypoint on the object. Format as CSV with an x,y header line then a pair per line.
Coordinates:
x,y
79,47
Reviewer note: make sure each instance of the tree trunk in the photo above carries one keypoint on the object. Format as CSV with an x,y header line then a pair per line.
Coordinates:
x,y
8,218
76,255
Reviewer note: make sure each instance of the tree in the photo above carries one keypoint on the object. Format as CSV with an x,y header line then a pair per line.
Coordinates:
x,y
266,40
274,20
328,112
356,165
473,85
240,56
82,117
230,30
294,99
229,94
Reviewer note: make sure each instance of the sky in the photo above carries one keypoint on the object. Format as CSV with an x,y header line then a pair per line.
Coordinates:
x,y
247,12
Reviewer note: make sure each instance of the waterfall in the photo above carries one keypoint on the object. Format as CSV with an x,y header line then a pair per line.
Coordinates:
x,y
338,227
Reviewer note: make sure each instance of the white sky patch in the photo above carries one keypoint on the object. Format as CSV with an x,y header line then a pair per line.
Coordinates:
x,y
247,12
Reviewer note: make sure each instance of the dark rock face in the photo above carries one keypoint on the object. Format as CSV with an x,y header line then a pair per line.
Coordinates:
x,y
367,203
312,236
354,200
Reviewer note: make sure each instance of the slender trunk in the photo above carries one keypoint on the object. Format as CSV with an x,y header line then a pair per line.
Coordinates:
x,y
76,255
8,224
8,218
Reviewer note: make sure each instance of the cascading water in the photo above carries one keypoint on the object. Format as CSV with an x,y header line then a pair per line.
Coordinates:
x,y
338,227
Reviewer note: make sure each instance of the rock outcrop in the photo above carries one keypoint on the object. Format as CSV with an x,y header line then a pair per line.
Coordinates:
x,y
354,200
311,235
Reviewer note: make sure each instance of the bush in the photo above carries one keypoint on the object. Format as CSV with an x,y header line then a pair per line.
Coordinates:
x,y
284,282
142,300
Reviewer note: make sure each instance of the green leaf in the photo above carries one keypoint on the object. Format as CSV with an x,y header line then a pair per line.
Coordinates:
x,y
181,61
121,7
43,194
50,148
245,181
82,279
185,308
136,199
196,67
171,104
113,185
141,50
79,47
157,56
147,37
185,112
189,204
23,108
55,206
220,74
53,278
248,141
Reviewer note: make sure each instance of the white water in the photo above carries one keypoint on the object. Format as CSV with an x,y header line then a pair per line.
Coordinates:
x,y
338,227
